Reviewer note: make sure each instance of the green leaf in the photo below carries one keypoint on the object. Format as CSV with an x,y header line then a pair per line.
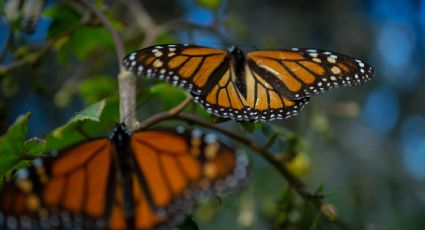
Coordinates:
x,y
188,224
12,143
35,146
209,4
95,88
7,175
92,112
97,118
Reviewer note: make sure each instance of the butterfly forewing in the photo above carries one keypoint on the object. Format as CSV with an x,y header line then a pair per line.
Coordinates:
x,y
300,73
187,66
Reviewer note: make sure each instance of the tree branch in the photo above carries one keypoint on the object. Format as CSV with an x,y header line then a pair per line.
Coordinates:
x,y
166,115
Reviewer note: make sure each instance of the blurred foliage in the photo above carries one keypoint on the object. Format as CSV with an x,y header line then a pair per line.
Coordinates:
x,y
64,18
209,4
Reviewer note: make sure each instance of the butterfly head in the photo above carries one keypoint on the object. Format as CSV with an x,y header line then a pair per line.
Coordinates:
x,y
236,52
120,135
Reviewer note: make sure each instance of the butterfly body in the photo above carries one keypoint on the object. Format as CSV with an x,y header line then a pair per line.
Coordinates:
x,y
238,62
123,169
141,180
258,85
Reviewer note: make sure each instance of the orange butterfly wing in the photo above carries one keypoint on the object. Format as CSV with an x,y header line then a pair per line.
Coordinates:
x,y
260,101
300,73
187,66
67,191
196,165
85,186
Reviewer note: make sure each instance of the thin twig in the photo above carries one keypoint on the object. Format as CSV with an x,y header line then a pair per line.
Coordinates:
x,y
127,91
270,142
166,115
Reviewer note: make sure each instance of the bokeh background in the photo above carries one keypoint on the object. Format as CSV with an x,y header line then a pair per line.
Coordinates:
x,y
363,147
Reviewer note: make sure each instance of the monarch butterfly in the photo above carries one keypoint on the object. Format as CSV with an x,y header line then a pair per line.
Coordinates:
x,y
143,180
259,85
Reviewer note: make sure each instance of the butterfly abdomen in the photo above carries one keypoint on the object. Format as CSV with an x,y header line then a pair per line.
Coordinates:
x,y
238,61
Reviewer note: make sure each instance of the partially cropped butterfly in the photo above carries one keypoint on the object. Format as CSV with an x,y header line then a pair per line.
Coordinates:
x,y
143,180
259,85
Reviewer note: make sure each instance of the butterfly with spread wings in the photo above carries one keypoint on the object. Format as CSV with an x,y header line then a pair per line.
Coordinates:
x,y
259,85
140,180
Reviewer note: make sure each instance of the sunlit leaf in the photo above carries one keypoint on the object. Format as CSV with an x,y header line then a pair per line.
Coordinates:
x,y
7,175
94,120
35,146
92,112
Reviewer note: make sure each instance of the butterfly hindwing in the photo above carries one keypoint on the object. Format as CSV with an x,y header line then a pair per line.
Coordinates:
x,y
299,73
197,165
261,101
